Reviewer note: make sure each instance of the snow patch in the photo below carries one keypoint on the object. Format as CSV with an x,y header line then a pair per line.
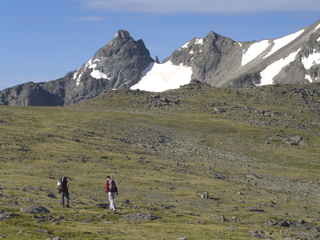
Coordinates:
x,y
79,79
185,45
161,77
316,28
273,70
75,75
308,77
254,51
92,64
98,75
311,60
281,42
199,41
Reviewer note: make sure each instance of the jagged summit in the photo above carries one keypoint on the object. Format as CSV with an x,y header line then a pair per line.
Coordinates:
x,y
122,34
124,63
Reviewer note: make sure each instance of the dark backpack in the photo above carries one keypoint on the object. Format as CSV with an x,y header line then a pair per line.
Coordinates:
x,y
62,185
112,186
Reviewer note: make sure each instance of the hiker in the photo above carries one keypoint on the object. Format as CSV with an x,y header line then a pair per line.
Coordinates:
x,y
63,187
111,190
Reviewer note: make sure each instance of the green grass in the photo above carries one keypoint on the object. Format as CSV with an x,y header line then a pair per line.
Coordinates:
x,y
163,158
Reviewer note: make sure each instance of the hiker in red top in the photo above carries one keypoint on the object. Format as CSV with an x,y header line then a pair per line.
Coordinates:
x,y
111,191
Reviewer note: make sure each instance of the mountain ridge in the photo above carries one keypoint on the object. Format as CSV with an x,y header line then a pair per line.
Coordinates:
x,y
124,63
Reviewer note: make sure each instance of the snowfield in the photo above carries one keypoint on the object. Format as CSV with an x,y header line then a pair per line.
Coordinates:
x,y
161,77
273,69
258,48
311,60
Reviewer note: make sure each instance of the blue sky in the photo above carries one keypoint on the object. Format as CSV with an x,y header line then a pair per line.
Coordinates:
x,y
42,40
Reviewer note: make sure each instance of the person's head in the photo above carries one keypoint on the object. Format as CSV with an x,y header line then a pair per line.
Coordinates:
x,y
108,177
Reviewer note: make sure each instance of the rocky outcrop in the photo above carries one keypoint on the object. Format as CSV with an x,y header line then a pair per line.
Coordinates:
x,y
30,94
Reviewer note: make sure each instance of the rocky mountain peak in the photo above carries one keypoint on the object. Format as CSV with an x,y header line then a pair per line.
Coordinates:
x,y
117,65
122,34
124,63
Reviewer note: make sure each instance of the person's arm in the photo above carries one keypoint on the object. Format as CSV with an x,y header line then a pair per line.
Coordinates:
x,y
107,186
116,188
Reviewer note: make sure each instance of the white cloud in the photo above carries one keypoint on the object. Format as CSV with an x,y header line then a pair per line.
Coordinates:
x,y
89,19
201,6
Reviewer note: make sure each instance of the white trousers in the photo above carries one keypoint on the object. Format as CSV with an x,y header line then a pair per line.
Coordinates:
x,y
111,196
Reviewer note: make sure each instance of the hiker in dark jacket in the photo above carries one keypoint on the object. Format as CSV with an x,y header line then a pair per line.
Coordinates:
x,y
64,189
111,191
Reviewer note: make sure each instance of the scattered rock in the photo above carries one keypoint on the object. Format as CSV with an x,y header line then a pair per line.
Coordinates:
x,y
181,238
205,195
43,231
292,140
223,219
219,109
255,209
139,217
14,204
259,234
34,209
54,238
234,220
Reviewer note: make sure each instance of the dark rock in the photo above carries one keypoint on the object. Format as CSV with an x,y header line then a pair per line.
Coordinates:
x,y
285,223
102,205
51,195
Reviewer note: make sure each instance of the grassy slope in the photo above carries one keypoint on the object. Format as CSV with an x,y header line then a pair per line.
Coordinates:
x,y
163,157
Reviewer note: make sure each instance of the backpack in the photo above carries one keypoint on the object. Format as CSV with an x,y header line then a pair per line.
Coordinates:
x,y
112,186
62,185
59,186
